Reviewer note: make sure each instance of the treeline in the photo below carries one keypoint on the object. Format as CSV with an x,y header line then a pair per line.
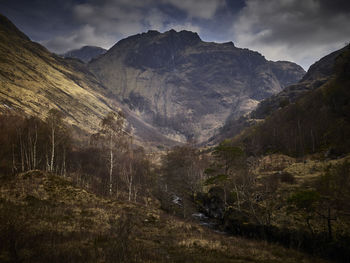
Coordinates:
x,y
226,186
181,175
108,164
29,143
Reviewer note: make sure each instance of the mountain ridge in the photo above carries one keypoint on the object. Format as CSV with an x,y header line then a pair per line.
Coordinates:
x,y
33,81
319,73
174,77
85,53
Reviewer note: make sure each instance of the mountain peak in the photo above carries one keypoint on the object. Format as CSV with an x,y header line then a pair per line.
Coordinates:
x,y
10,29
152,32
154,49
185,34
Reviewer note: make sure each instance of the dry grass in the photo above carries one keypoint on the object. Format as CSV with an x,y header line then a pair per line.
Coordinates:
x,y
67,222
34,81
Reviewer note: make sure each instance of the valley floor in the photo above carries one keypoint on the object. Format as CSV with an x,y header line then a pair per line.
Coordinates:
x,y
45,218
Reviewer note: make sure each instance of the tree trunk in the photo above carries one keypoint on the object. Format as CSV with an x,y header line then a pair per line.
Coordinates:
x,y
21,150
329,223
26,155
238,201
34,147
129,179
225,197
14,167
52,147
47,160
135,194
64,163
313,141
309,225
30,151
111,165
130,188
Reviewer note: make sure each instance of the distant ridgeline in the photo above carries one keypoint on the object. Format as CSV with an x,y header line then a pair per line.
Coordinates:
x,y
86,53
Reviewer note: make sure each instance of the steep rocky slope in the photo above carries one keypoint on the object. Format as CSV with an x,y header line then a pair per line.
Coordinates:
x,y
317,76
33,80
318,121
85,53
188,87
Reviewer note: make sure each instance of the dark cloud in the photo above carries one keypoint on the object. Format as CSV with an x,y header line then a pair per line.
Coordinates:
x,y
293,30
67,24
235,6
105,22
335,6
40,19
301,31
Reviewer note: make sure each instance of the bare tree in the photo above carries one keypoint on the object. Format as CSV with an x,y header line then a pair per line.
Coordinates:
x,y
113,133
54,120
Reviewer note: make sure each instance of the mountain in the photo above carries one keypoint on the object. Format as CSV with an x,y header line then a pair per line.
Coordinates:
x,y
85,53
33,80
320,73
187,87
316,121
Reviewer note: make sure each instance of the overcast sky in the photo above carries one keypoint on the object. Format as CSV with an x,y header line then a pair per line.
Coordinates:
x,y
301,31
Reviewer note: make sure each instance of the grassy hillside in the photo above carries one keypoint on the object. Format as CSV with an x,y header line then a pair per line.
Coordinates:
x,y
33,80
45,218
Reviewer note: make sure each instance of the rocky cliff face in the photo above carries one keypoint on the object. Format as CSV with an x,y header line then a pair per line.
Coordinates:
x,y
186,87
318,74
85,53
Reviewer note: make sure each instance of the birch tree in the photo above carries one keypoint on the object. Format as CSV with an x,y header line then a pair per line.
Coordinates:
x,y
55,123
112,131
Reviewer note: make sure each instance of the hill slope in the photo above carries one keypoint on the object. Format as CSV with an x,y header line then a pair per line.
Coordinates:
x,y
33,80
45,218
318,121
188,87
319,74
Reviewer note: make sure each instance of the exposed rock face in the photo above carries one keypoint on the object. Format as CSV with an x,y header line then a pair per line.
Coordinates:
x,y
316,76
188,87
323,68
85,53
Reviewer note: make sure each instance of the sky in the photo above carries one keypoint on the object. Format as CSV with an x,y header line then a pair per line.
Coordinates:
x,y
301,31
